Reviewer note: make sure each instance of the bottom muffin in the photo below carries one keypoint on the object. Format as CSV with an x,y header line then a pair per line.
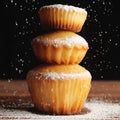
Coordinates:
x,y
59,89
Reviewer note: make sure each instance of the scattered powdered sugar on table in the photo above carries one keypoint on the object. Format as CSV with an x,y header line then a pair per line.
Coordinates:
x,y
95,110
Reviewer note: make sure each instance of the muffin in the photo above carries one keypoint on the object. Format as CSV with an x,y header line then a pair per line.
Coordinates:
x,y
59,89
61,47
62,17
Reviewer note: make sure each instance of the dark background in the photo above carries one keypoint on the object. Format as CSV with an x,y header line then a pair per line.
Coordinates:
x,y
19,24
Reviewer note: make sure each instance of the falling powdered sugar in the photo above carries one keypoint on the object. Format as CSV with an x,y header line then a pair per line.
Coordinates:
x,y
96,110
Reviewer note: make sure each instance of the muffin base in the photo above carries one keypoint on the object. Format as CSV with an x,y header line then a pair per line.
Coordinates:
x,y
59,96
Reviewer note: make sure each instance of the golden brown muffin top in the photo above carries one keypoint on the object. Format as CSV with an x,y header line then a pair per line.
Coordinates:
x,y
65,7
58,72
60,37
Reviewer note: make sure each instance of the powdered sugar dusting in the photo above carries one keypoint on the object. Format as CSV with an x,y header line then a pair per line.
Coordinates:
x,y
98,110
68,41
61,76
65,7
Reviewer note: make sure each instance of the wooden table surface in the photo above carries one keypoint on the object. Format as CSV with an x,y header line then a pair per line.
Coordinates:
x,y
15,93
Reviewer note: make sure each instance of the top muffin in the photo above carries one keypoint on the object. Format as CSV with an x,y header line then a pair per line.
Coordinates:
x,y
62,17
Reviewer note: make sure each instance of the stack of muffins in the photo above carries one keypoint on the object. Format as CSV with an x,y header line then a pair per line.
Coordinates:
x,y
61,85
